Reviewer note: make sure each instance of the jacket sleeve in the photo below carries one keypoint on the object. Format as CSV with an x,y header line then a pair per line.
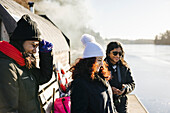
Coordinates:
x,y
9,89
79,97
44,73
129,84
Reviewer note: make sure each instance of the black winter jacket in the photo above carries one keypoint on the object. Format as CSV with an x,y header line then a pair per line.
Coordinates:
x,y
126,80
19,86
91,96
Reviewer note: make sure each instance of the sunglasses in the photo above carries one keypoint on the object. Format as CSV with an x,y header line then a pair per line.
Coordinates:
x,y
115,53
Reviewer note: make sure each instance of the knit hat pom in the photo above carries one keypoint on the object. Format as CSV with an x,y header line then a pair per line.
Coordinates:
x,y
92,48
87,38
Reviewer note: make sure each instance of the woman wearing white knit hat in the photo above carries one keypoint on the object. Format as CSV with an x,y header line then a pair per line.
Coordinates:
x,y
91,92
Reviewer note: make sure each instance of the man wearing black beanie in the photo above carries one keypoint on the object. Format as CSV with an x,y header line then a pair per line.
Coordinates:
x,y
19,76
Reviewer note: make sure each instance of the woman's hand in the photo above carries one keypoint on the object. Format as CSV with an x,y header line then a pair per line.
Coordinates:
x,y
117,91
45,46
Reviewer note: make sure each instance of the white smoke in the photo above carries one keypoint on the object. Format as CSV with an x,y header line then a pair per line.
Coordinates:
x,y
70,16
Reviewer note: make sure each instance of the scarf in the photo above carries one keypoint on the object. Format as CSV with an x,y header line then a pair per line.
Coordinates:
x,y
101,80
12,52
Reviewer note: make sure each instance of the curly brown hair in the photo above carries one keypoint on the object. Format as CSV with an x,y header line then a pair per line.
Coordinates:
x,y
86,67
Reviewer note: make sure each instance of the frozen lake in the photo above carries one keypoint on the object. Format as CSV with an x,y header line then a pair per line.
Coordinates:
x,y
150,65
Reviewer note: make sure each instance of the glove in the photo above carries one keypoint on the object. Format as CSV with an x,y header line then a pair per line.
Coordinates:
x,y
45,46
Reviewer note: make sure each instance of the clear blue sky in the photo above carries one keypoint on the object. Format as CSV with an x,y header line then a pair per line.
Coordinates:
x,y
132,19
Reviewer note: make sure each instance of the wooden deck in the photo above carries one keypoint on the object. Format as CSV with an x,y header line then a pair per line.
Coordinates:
x,y
134,105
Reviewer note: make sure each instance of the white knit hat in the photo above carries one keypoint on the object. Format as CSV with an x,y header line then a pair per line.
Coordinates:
x,y
92,48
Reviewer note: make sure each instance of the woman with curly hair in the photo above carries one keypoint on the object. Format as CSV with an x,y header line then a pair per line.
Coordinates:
x,y
91,92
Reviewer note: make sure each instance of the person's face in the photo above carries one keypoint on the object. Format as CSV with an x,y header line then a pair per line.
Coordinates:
x,y
115,55
99,61
30,46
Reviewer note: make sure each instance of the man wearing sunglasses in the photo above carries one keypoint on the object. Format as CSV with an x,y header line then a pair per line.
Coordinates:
x,y
121,81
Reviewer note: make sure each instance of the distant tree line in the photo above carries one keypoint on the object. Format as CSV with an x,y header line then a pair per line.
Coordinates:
x,y
163,38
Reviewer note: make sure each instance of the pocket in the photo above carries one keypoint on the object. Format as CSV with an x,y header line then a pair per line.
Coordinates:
x,y
27,87
28,81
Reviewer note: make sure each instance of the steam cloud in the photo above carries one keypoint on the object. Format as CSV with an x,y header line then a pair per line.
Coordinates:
x,y
71,16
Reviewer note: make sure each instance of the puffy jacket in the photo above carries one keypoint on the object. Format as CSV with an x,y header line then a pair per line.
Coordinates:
x,y
91,96
19,86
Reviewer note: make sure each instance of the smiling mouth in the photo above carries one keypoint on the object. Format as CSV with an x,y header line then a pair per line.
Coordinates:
x,y
117,58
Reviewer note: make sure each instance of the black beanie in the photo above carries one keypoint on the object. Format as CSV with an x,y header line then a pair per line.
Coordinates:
x,y
26,30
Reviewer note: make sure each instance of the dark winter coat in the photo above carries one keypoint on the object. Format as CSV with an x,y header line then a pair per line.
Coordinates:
x,y
126,79
91,96
19,86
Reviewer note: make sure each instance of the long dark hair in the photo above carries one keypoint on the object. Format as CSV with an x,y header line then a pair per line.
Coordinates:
x,y
86,67
113,45
30,60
